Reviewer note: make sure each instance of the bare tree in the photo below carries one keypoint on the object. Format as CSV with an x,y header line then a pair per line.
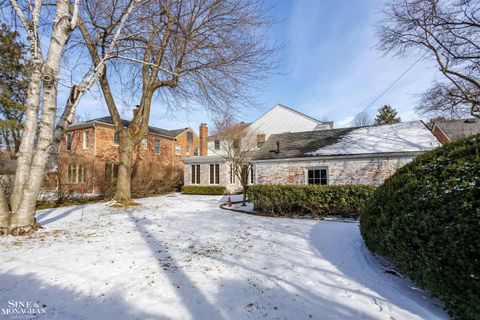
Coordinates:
x,y
209,52
238,143
17,210
449,33
362,119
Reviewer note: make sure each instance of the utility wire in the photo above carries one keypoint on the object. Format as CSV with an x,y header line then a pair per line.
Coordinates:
x,y
389,87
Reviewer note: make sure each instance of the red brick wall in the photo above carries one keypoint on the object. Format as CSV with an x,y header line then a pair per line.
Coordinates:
x,y
102,150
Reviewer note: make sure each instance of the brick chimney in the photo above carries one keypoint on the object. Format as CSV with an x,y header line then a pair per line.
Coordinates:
x,y
203,134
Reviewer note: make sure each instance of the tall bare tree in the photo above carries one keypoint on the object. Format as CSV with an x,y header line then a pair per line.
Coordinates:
x,y
209,52
17,210
448,32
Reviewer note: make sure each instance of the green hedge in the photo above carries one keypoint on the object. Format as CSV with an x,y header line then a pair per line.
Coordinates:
x,y
208,190
426,217
287,200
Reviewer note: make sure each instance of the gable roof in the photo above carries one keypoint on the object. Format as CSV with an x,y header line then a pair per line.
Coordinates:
x,y
458,129
411,136
154,130
279,105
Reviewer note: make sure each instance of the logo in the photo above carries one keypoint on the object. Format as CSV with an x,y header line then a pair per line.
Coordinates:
x,y
23,309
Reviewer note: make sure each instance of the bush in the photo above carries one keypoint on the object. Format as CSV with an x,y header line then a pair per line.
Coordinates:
x,y
426,217
208,190
286,200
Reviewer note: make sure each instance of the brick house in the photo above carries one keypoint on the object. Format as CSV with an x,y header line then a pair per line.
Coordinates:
x,y
211,168
88,157
362,155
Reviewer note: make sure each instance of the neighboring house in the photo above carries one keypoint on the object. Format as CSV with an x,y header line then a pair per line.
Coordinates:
x,y
448,131
361,155
88,156
212,168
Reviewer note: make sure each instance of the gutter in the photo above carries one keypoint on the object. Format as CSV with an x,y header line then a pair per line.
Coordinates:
x,y
346,156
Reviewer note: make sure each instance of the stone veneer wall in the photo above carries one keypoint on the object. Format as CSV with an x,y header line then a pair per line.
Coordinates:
x,y
205,176
369,171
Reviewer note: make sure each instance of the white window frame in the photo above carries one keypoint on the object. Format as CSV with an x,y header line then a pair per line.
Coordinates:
x,y
195,174
215,144
216,176
86,139
187,150
178,150
145,143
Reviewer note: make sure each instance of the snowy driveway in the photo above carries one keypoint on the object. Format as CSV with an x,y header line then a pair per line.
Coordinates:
x,y
181,257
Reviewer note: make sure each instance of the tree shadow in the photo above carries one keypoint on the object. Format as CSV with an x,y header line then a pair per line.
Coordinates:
x,y
348,252
192,297
67,212
64,303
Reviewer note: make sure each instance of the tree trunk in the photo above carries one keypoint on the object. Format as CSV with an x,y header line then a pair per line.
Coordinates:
x,y
4,213
244,199
31,170
25,152
122,193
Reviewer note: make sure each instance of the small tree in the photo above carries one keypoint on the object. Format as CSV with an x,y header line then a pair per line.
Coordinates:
x,y
238,143
387,115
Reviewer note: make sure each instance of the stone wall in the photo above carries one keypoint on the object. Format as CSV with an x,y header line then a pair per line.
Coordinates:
x,y
369,171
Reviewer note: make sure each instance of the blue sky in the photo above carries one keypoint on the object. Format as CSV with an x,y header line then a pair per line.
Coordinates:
x,y
330,68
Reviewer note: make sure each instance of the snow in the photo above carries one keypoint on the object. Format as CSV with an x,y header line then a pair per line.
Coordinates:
x,y
182,257
400,137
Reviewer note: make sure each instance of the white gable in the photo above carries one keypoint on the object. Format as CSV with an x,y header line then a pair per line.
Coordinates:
x,y
399,137
281,119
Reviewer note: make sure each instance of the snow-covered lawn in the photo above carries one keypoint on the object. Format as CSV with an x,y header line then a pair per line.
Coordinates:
x,y
181,257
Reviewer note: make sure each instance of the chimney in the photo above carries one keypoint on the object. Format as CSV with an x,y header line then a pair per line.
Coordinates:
x,y
203,139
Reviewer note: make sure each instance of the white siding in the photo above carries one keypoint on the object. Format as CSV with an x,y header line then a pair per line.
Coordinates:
x,y
281,119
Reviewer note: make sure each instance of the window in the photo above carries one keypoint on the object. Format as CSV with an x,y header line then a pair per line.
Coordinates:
x,y
217,144
156,146
111,172
195,152
190,137
251,176
260,140
86,139
214,174
196,174
145,143
116,138
317,176
187,150
178,150
69,142
76,173
232,174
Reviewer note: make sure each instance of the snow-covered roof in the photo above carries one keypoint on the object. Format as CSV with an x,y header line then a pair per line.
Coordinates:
x,y
411,136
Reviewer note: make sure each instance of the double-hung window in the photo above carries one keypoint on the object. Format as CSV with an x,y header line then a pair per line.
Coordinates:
x,y
68,142
86,139
317,176
214,174
196,174
156,146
